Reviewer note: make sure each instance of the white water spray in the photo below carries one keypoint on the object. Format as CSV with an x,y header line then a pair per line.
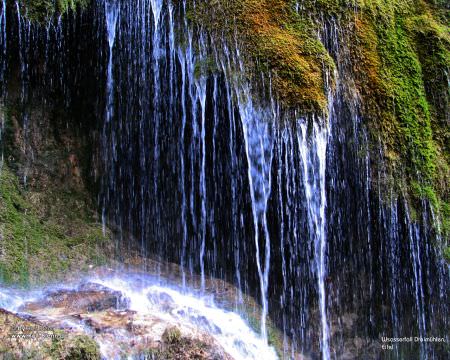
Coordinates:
x,y
148,297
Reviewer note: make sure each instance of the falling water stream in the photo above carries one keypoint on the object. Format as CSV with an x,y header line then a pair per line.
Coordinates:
x,y
197,163
259,151
3,63
314,162
112,15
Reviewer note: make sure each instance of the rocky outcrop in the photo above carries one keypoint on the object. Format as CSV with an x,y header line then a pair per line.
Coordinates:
x,y
22,338
88,298
49,224
78,323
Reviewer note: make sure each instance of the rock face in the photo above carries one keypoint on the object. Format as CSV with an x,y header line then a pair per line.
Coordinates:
x,y
92,321
22,338
175,346
88,298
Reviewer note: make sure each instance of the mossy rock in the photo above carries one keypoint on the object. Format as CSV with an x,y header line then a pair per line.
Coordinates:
x,y
399,56
44,10
447,254
275,41
44,342
35,248
80,347
176,345
172,335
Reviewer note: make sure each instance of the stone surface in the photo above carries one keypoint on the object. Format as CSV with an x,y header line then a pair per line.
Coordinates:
x,y
78,323
86,299
22,338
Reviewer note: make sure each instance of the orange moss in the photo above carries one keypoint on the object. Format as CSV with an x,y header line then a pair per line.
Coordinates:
x,y
368,68
273,35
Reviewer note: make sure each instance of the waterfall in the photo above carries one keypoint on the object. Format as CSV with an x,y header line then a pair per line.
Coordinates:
x,y
415,251
182,166
24,29
112,15
259,152
237,219
314,162
200,85
202,165
3,64
3,47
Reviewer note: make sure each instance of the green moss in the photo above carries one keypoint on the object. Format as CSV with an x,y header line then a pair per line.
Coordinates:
x,y
172,335
400,62
445,219
42,10
407,80
274,335
35,247
80,347
275,39
402,76
447,254
205,67
175,345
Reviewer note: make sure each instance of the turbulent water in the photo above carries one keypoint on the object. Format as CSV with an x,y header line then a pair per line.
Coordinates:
x,y
201,166
142,295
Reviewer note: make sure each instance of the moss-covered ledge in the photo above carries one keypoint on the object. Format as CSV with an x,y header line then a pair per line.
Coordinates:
x,y
274,39
402,58
399,52
43,10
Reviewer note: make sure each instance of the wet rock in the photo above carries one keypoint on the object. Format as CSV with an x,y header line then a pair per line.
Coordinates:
x,y
92,286
203,323
163,300
105,321
22,338
177,346
76,301
348,320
